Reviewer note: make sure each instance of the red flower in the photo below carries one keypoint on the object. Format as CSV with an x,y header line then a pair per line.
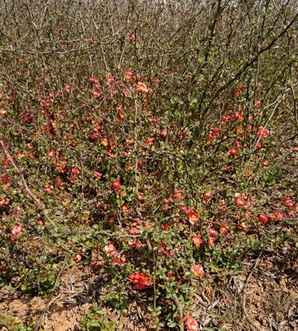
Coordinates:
x,y
197,240
16,232
207,197
77,258
166,226
96,93
163,133
135,228
213,134
222,206
97,174
237,144
241,200
233,151
259,145
277,215
190,323
48,188
263,132
142,87
226,118
140,280
131,36
27,118
129,75
94,80
191,214
116,185
239,89
149,141
165,251
264,219
118,260
4,202
198,270
111,80
5,163
288,202
112,252
258,104
5,180
238,116
74,173
136,244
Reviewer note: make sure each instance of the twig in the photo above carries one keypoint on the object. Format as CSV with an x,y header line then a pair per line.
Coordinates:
x,y
180,312
247,65
246,315
40,205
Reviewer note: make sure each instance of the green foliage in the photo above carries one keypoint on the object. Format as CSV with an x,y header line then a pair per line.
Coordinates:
x,y
116,296
96,320
272,175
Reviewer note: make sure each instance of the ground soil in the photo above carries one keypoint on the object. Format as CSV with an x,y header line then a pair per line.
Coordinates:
x,y
262,297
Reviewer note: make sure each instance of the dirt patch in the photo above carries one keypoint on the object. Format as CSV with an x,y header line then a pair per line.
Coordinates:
x,y
271,305
66,319
263,298
271,295
61,312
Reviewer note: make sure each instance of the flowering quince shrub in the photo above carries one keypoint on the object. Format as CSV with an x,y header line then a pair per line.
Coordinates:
x,y
142,154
